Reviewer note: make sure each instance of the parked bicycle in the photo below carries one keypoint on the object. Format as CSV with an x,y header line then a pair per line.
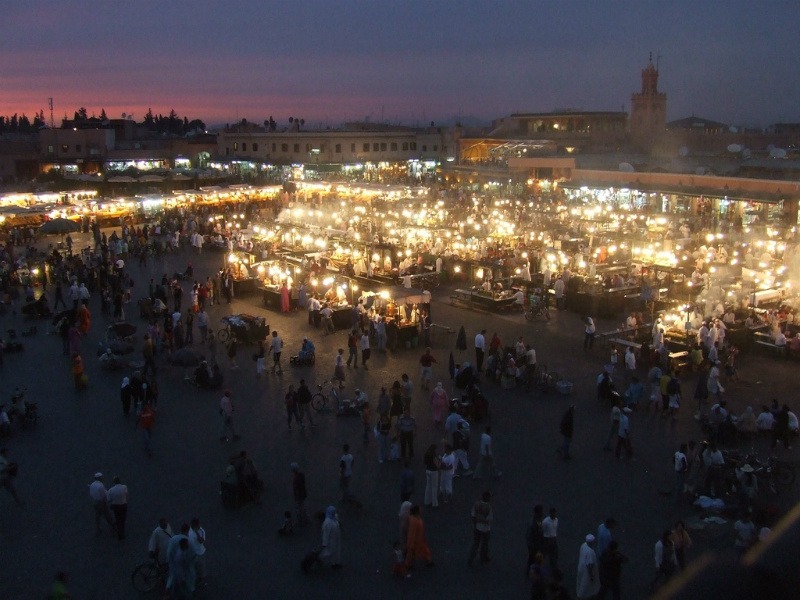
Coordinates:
x,y
537,308
149,576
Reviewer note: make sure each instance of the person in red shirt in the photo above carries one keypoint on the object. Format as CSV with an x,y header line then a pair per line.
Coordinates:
x,y
427,361
145,420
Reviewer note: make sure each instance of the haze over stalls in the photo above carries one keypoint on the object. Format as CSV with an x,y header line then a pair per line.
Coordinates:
x,y
411,61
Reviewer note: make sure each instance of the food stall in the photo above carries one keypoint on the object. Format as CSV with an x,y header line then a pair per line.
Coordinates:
x,y
243,274
272,275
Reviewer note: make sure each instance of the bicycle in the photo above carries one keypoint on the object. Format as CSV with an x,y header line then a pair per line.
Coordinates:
x,y
320,401
537,309
149,576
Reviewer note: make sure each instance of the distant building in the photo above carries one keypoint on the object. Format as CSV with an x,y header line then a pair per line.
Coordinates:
x,y
697,124
648,110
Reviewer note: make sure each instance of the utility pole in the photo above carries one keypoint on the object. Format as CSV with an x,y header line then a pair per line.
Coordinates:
x,y
50,104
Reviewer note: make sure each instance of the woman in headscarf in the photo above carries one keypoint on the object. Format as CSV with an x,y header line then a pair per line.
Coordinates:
x,y
405,511
439,402
285,298
125,396
84,319
331,542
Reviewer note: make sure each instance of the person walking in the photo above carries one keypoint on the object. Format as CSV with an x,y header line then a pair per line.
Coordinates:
x,y
567,429
480,349
232,349
406,429
189,326
624,435
299,493
118,501
665,560
610,562
406,483
534,536
588,580
352,348
416,545
99,497
145,419
486,464
8,472
482,516
197,544
365,349
148,353
159,541
589,331
125,396
426,362
550,533
331,551
291,407
406,391
303,401
432,466
681,542
346,473
616,413
275,348
226,412
681,464
202,324
439,403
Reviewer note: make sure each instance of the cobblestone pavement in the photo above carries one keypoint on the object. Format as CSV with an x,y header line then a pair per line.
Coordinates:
x,y
80,433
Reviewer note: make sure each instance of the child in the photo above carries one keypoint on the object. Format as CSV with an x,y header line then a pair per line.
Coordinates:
x,y
394,449
399,566
288,524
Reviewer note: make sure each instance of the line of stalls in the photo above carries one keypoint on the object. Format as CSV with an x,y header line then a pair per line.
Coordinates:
x,y
290,280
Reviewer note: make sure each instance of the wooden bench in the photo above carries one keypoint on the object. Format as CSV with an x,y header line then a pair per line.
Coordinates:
x,y
779,350
627,343
679,360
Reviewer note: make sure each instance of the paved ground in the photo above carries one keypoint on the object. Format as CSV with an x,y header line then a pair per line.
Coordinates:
x,y
79,434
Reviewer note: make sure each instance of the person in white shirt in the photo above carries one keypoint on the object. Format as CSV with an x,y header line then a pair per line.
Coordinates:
x,y
327,320
275,348
118,500
765,420
630,362
99,497
365,350
486,464
159,541
480,349
197,542
589,333
550,533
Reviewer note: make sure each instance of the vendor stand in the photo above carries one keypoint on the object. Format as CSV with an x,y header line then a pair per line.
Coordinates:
x,y
243,275
272,275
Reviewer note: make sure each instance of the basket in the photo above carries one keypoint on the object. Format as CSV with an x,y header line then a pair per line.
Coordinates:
x,y
564,387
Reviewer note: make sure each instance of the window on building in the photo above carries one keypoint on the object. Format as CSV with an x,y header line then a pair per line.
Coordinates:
x,y
435,148
296,148
444,148
338,148
424,147
366,146
308,147
244,146
77,148
284,147
393,147
50,150
375,146
353,148
274,146
405,145
64,148
383,146
235,146
255,147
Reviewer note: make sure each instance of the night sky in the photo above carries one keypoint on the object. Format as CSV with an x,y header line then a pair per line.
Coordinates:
x,y
399,61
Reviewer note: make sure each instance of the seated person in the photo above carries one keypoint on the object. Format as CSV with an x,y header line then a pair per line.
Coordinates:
x,y
202,375
360,397
780,339
465,376
765,420
519,298
250,484
307,350
794,426
159,306
109,360
288,524
746,423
